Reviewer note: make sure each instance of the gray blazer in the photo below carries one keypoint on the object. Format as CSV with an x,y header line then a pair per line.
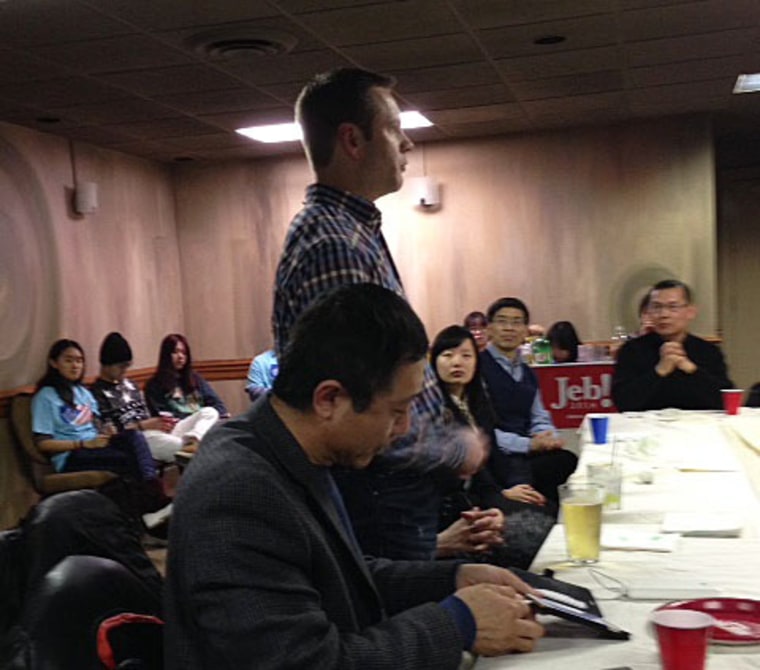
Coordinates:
x,y
262,573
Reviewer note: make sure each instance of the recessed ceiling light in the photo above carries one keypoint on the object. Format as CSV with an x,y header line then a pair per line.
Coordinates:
x,y
273,133
546,40
414,120
747,83
291,132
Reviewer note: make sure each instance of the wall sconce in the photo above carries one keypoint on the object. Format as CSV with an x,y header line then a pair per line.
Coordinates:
x,y
86,197
426,193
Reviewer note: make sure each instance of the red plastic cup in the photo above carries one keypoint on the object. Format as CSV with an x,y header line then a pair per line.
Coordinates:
x,y
732,400
682,636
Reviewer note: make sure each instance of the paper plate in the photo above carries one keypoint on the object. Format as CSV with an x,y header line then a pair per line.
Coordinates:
x,y
737,619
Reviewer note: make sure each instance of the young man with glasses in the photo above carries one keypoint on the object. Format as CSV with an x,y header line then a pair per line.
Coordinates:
x,y
528,449
669,367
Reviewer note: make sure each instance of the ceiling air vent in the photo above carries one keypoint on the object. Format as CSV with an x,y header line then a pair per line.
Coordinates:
x,y
231,44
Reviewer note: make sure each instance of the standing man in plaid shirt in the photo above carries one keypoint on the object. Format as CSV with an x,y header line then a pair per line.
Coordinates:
x,y
357,150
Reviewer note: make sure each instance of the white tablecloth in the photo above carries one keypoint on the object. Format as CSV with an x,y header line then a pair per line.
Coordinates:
x,y
701,462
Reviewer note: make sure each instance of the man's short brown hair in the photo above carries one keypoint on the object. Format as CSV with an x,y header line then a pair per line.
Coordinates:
x,y
332,98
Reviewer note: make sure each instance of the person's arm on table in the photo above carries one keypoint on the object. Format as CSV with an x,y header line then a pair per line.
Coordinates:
x,y
503,622
257,606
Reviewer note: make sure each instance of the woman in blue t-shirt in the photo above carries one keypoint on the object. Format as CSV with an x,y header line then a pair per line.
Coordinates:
x,y
66,425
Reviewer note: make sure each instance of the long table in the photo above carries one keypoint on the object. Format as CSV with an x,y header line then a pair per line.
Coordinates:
x,y
701,462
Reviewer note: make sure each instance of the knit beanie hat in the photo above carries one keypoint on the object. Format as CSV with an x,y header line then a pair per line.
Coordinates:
x,y
115,349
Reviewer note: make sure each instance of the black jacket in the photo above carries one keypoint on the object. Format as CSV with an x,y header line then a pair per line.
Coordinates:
x,y
636,385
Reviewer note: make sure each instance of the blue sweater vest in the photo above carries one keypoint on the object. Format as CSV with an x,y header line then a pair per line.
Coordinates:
x,y
512,401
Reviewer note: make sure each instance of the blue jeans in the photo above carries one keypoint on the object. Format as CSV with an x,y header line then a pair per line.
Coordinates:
x,y
126,454
394,514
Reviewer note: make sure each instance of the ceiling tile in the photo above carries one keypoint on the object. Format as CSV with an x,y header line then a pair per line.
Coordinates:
x,y
128,52
178,79
444,77
684,94
162,128
709,45
464,60
577,104
60,92
277,28
214,102
424,52
685,71
560,64
483,114
307,6
487,128
35,22
19,67
108,113
460,97
374,23
162,14
593,31
233,120
689,18
295,67
490,13
555,87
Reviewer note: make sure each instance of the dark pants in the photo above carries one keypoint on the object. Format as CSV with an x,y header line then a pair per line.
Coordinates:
x,y
393,514
127,454
138,489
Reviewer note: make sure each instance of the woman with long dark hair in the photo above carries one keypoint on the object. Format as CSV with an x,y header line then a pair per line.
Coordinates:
x,y
564,340
473,514
66,425
177,390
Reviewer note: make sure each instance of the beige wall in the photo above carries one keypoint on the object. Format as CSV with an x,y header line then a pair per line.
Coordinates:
x,y
66,275
577,223
739,248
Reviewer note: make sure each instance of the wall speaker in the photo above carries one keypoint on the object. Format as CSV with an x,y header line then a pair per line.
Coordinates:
x,y
86,197
426,192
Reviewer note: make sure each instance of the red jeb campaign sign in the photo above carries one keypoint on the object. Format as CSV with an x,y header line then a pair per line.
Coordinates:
x,y
572,391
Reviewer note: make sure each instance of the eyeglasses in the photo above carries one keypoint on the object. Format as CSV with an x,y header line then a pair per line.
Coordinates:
x,y
671,307
503,322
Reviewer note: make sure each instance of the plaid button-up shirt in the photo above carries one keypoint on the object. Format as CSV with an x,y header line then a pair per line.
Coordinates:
x,y
335,240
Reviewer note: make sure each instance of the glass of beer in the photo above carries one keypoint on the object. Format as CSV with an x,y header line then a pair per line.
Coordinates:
x,y
582,514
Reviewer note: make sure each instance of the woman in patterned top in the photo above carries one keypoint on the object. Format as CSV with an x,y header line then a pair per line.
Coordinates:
x,y
473,514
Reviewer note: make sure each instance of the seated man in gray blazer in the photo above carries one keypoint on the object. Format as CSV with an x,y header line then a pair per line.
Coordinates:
x,y
263,567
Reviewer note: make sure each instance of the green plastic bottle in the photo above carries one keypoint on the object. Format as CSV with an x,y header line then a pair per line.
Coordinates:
x,y
542,352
